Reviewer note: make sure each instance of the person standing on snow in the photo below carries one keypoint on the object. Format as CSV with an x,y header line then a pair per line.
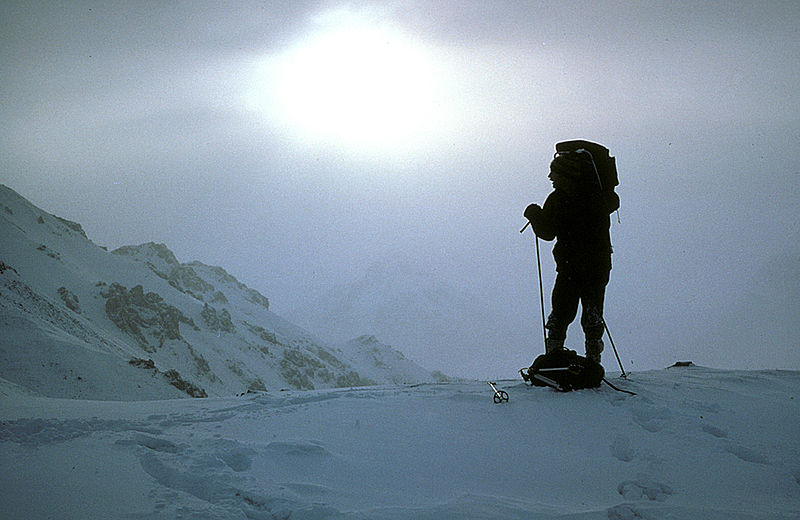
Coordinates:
x,y
576,215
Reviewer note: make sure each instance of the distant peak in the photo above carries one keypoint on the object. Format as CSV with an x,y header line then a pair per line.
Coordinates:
x,y
396,268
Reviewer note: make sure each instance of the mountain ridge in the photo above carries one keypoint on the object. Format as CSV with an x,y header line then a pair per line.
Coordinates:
x,y
136,323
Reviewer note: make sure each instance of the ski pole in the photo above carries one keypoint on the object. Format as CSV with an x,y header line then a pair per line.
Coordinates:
x,y
500,396
624,375
541,290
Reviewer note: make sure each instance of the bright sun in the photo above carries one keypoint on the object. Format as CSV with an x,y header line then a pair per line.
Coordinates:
x,y
364,87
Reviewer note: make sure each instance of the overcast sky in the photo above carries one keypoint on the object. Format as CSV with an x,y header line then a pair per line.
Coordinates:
x,y
297,143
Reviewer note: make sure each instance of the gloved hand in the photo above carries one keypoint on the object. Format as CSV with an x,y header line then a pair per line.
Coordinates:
x,y
532,211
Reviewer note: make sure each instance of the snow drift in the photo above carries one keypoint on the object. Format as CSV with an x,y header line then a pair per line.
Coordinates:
x,y
693,443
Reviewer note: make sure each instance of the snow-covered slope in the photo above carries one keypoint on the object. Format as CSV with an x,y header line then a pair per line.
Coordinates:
x,y
383,363
78,321
695,443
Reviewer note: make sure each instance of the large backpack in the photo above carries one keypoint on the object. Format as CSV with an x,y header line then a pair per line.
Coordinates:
x,y
603,167
564,370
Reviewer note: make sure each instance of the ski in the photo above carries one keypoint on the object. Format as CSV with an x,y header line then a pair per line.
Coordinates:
x,y
549,382
529,377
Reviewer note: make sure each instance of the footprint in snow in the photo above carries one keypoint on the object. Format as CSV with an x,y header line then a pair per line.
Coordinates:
x,y
156,444
746,454
716,432
624,512
234,454
305,449
621,449
644,489
652,419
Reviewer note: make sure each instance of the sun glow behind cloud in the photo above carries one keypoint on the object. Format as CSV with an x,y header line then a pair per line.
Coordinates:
x,y
361,86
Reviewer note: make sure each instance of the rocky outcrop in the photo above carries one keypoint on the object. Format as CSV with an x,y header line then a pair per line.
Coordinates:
x,y
301,368
69,299
262,333
172,376
144,316
4,268
178,382
186,280
217,320
225,278
163,262
149,249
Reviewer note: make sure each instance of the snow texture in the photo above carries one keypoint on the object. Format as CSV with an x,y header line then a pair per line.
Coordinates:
x,y
694,443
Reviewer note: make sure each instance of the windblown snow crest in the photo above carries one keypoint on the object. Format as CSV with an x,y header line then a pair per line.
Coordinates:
x,y
135,323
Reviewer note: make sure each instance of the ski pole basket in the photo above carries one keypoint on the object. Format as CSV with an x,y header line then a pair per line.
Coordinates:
x,y
500,396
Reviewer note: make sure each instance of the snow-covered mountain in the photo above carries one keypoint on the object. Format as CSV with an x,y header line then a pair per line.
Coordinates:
x,y
419,313
79,321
